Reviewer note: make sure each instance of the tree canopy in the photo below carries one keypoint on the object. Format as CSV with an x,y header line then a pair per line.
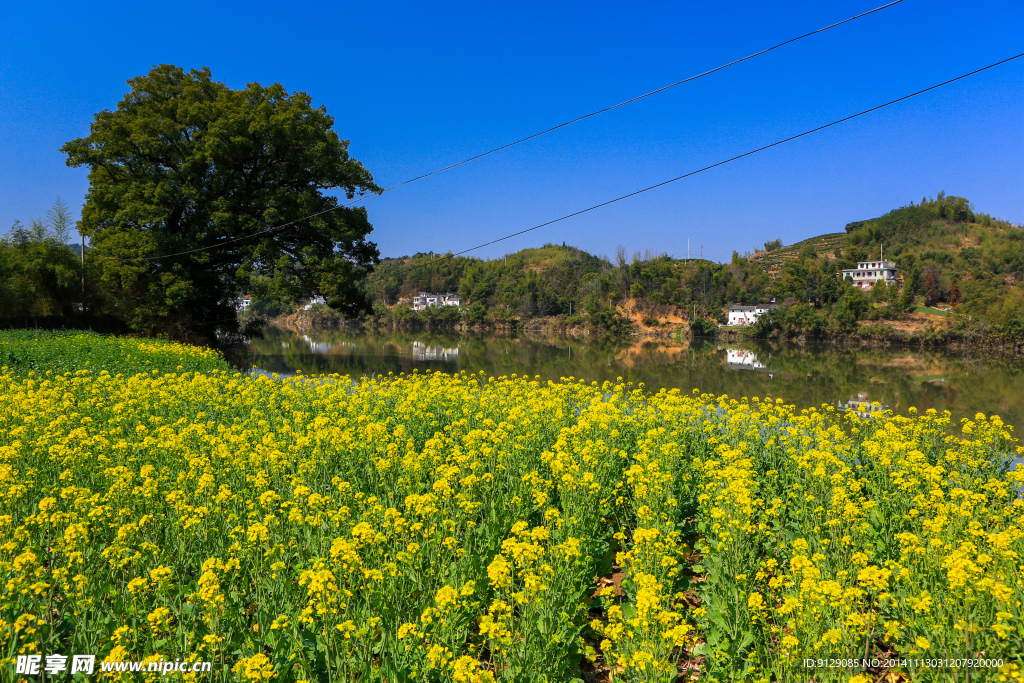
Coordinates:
x,y
199,193
39,275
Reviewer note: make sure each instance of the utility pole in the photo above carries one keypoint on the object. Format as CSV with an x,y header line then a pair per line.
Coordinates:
x,y
83,270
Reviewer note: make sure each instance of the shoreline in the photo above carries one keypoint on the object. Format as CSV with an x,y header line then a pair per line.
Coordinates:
x,y
871,335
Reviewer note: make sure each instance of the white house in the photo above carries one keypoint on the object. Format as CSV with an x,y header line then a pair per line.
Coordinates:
x,y
314,301
423,300
867,273
243,303
747,315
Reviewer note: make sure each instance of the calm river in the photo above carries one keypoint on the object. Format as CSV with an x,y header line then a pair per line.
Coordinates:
x,y
809,375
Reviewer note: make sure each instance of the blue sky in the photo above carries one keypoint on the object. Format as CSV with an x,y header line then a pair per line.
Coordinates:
x,y
415,87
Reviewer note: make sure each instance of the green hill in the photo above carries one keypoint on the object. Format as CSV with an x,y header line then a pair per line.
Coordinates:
x,y
949,255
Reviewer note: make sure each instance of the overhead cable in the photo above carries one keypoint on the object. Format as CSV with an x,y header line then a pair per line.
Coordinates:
x,y
521,140
735,158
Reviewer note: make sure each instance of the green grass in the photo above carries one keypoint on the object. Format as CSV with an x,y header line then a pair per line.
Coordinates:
x,y
57,352
930,311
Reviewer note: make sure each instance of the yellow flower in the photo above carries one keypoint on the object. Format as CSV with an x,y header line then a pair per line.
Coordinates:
x,y
255,668
469,670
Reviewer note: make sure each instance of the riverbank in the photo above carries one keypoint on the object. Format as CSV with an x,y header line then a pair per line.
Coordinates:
x,y
919,328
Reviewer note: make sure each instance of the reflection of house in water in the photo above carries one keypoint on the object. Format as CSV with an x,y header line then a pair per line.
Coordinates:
x,y
742,359
862,406
421,351
316,347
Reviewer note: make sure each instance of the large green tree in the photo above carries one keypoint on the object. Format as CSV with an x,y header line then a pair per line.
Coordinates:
x,y
200,192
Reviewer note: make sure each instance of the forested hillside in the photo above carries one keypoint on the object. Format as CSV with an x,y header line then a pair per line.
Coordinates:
x,y
565,281
949,256
953,255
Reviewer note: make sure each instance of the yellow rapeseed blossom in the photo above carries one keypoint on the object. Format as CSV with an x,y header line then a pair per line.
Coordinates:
x,y
469,529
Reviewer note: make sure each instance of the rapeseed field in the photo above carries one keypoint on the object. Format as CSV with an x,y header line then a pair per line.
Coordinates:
x,y
470,529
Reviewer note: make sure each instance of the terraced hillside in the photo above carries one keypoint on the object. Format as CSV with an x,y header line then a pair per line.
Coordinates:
x,y
824,245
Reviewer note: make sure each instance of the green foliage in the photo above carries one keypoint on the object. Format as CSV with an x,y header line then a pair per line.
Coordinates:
x,y
702,327
773,245
975,275
58,352
942,253
39,274
187,174
607,319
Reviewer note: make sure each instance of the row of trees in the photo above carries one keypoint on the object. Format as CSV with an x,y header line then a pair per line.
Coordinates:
x,y
977,274
41,274
562,280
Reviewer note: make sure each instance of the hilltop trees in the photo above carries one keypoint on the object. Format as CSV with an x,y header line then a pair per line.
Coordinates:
x,y
974,266
187,178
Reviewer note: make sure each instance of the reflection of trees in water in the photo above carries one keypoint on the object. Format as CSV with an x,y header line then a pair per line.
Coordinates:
x,y
804,375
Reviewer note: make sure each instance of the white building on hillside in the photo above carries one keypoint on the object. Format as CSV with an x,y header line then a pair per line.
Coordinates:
x,y
314,301
867,273
423,300
747,315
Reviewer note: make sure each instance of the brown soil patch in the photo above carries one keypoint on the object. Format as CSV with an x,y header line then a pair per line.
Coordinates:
x,y
918,322
905,363
613,579
665,315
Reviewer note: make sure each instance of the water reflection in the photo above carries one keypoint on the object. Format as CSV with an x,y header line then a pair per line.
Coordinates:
x,y
742,359
316,347
421,351
863,406
804,375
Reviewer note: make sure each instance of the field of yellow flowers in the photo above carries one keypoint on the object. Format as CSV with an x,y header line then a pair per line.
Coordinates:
x,y
466,528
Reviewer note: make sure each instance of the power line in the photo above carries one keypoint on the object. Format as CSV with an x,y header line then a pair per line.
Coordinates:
x,y
735,158
521,140
726,161
640,97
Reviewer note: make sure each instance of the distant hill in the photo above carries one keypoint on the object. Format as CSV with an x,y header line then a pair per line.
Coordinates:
x,y
949,256
947,251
